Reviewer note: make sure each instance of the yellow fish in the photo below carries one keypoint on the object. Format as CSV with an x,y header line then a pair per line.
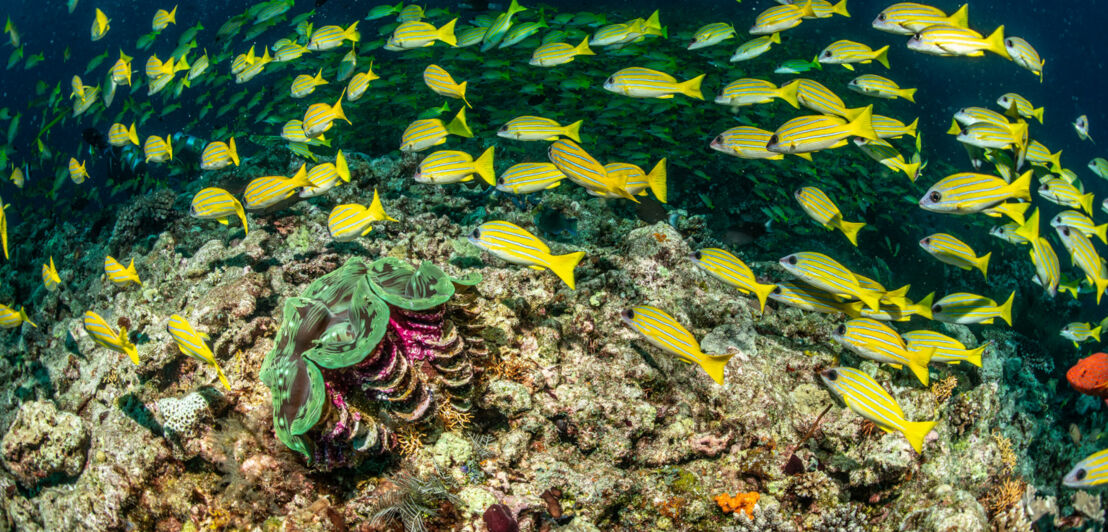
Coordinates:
x,y
163,18
10,319
102,334
100,25
267,191
119,135
319,116
193,344
77,171
423,134
442,83
119,275
349,221
660,329
50,277
515,244
217,204
157,149
638,82
359,84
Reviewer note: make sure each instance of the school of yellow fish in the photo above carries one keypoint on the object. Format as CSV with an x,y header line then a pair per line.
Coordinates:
x,y
1001,140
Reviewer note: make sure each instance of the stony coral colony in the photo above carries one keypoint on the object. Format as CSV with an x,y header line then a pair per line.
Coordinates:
x,y
358,361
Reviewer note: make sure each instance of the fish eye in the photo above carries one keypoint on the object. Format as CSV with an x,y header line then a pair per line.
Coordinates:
x,y
477,234
777,290
832,375
1080,474
916,37
1065,230
927,241
935,196
881,17
504,127
792,260
827,53
629,314
840,330
1008,43
773,139
719,140
1000,230
936,308
1004,99
696,255
609,82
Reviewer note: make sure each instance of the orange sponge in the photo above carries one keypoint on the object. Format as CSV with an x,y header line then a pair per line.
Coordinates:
x,y
740,502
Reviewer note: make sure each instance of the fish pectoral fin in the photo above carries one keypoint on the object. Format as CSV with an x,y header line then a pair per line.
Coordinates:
x,y
896,366
222,221
537,267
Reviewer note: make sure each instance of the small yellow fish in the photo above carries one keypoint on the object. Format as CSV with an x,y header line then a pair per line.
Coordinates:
x,y
660,329
359,83
157,149
4,227
329,37
418,34
638,82
77,171
867,398
423,134
722,265
50,278
121,70
103,335
820,208
846,53
305,84
443,167
163,18
119,275
515,244
442,83
217,204
267,191
194,344
534,128
100,25
10,319
817,132
350,221
18,177
559,53
218,155
119,135
325,176
319,117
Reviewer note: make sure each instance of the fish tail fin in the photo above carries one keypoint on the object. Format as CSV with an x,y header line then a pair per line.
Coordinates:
x,y
583,48
484,167
960,17
1022,186
909,94
351,33
169,146
862,125
222,377
983,264
573,131
870,298
955,127
713,365
912,169
918,362
882,56
691,88
923,306
126,345
458,126
1101,232
563,265
1006,308
241,214
132,134
300,178
654,24
995,42
973,356
446,33
377,209
787,92
850,229
173,15
775,37
515,8
913,128
318,79
233,151
762,291
462,92
840,8
656,180
337,108
341,167
1087,203
23,316
1095,333
1038,114
916,432
1101,284
1056,162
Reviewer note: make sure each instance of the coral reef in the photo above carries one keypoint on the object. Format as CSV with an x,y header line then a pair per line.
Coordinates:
x,y
43,445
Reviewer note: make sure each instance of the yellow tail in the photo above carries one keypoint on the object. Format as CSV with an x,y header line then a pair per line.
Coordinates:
x,y
1101,232
916,432
912,128
961,17
691,88
840,8
918,362
923,306
23,316
912,170
242,215
573,131
462,93
850,229
713,365
909,94
233,151
787,92
300,178
169,146
982,264
870,299
458,126
377,209
318,79
351,33
882,55
656,179
132,273
861,125
1087,203
127,347
1038,114
973,356
775,38
955,127
563,265
222,377
1015,211
762,291
1056,162
446,33
1101,284
484,167
337,108
1095,333
1021,188
132,134
583,48
515,8
341,168
1005,310
995,42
